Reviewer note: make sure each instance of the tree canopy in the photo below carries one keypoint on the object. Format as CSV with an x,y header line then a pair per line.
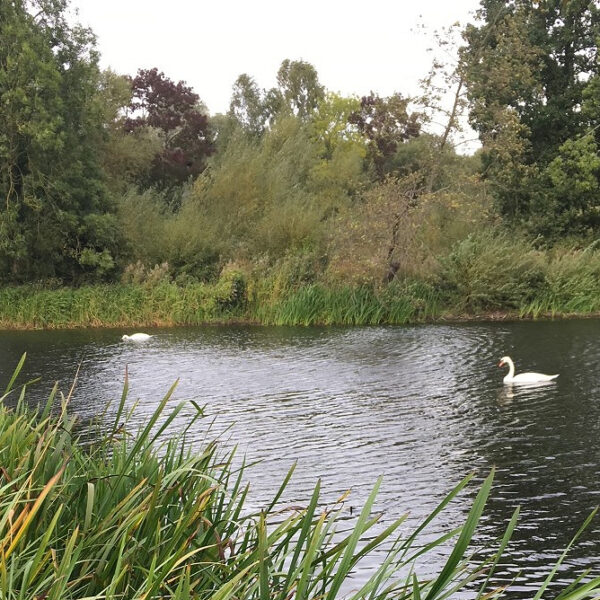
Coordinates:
x,y
100,171
531,70
55,219
174,111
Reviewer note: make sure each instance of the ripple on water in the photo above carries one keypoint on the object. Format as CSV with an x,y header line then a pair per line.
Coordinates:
x,y
423,406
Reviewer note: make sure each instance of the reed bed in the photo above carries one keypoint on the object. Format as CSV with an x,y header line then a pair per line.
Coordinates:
x,y
491,272
318,305
115,305
571,285
195,304
145,516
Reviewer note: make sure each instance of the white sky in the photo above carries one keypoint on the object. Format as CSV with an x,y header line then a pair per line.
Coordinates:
x,y
355,46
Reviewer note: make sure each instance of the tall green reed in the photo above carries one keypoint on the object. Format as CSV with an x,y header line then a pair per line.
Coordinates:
x,y
319,305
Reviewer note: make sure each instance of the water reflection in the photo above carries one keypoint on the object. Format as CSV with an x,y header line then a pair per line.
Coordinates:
x,y
523,391
423,406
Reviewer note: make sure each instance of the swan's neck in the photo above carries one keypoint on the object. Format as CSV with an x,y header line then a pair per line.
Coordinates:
x,y
511,368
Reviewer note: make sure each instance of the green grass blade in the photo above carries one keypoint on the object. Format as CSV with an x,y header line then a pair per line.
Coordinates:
x,y
348,558
15,373
464,539
504,542
563,556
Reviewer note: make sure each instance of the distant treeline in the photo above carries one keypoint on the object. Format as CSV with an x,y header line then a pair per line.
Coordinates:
x,y
110,178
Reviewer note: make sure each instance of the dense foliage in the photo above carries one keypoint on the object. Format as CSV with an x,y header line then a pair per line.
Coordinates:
x,y
173,111
109,178
533,73
56,219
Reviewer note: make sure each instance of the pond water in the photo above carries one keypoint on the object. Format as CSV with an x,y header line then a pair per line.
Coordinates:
x,y
421,405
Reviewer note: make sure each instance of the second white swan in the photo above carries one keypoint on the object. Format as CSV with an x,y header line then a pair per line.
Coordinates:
x,y
136,337
522,377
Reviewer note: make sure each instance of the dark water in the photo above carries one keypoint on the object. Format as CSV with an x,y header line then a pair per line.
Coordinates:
x,y
424,406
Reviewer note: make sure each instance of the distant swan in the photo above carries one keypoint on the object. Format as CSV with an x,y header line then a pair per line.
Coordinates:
x,y
522,377
136,337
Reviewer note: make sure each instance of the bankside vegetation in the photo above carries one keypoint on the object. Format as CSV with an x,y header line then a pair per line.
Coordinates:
x,y
135,516
315,207
473,279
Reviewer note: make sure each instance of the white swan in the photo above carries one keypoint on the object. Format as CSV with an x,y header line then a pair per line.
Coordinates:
x,y
136,337
522,377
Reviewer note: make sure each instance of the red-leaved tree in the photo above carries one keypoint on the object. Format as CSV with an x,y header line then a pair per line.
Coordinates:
x,y
174,111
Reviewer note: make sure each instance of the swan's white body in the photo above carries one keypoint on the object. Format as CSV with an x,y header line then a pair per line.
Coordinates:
x,y
522,377
136,337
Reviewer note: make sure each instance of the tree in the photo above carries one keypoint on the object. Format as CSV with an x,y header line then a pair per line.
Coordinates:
x,y
248,106
573,178
298,93
127,157
331,126
299,87
386,123
55,219
174,111
528,66
341,148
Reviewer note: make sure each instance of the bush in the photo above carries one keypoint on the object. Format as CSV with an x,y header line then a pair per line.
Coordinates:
x,y
489,271
572,283
231,289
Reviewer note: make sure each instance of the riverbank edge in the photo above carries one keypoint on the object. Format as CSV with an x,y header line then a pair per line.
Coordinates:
x,y
449,318
130,306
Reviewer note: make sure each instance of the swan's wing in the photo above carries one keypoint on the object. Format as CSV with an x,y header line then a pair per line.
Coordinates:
x,y
533,377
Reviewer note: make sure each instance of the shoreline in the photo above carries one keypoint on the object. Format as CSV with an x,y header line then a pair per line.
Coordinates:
x,y
233,302
447,319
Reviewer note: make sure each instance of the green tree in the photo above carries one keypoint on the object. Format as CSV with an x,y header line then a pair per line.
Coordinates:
x,y
298,93
55,218
248,106
127,157
342,149
299,87
573,204
528,66
330,123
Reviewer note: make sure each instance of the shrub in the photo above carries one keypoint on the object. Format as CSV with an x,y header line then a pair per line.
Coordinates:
x,y
488,271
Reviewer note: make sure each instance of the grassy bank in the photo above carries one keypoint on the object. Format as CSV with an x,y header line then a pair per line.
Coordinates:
x,y
145,516
483,275
29,307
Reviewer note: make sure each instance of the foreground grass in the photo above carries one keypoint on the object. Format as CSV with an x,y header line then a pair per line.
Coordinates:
x,y
136,517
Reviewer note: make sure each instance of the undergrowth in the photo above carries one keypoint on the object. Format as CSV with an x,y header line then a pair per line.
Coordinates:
x,y
483,273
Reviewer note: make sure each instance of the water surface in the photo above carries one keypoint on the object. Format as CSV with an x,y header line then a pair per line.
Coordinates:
x,y
423,406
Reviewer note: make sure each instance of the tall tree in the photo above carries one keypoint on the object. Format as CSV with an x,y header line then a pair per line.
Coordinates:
x,y
298,93
248,105
386,123
55,218
299,87
528,65
127,157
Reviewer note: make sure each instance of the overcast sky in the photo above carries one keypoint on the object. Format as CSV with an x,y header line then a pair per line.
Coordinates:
x,y
355,46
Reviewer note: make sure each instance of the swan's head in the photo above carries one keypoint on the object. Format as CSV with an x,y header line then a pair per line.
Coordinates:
x,y
505,360
125,338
